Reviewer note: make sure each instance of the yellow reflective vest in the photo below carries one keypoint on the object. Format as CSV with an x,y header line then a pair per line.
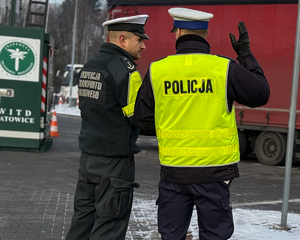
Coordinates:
x,y
135,81
193,124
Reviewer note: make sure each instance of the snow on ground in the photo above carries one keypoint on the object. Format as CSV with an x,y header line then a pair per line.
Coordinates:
x,y
249,224
264,225
66,110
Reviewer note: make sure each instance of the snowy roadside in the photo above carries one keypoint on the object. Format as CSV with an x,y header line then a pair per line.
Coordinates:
x,y
66,110
249,224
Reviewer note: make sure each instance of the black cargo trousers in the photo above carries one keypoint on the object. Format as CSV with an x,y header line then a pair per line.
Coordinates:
x,y
103,198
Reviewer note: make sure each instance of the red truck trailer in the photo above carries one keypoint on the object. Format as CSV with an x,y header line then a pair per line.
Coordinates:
x,y
272,30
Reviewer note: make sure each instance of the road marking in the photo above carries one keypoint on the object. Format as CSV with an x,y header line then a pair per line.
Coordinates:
x,y
262,203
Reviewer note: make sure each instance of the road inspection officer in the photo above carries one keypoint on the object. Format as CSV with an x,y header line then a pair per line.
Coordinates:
x,y
188,98
108,85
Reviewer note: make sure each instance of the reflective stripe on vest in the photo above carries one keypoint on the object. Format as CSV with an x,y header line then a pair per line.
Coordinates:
x,y
135,81
196,134
193,126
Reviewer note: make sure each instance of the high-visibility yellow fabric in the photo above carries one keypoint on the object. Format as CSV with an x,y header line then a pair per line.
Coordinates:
x,y
193,125
135,81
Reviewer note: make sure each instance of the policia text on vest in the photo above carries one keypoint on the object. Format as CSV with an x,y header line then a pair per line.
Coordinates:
x,y
189,86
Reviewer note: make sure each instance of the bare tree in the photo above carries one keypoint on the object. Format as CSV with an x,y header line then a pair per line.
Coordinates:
x,y
89,28
88,33
6,11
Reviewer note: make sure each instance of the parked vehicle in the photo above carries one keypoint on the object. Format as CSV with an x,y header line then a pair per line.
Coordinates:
x,y
272,29
65,75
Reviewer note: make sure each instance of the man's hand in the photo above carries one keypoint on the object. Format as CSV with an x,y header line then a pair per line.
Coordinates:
x,y
243,44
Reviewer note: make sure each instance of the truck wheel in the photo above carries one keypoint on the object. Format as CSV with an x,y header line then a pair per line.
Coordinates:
x,y
245,148
270,148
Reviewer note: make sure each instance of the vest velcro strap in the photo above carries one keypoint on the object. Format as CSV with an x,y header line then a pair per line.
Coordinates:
x,y
196,134
128,110
199,152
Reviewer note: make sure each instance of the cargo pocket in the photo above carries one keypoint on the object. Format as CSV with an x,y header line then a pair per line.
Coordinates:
x,y
226,204
120,194
157,201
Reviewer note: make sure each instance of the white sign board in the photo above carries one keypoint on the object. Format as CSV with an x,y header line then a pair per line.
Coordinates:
x,y
19,58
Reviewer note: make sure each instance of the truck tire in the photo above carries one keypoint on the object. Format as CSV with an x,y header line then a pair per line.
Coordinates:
x,y
270,148
245,148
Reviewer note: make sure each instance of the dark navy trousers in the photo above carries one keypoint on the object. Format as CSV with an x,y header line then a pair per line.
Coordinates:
x,y
214,211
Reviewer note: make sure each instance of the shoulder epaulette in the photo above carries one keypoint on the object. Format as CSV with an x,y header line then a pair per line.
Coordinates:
x,y
129,65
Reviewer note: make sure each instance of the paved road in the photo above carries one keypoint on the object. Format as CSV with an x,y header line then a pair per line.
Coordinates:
x,y
37,189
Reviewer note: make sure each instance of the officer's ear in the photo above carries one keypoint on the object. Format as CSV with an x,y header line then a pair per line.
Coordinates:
x,y
178,33
122,40
206,34
117,37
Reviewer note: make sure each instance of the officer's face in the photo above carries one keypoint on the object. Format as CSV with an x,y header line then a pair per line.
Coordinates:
x,y
134,45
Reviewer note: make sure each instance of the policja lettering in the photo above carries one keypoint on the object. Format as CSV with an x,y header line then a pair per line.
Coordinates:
x,y
187,86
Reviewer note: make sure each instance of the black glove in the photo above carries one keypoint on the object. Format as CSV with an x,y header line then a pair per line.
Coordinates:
x,y
243,44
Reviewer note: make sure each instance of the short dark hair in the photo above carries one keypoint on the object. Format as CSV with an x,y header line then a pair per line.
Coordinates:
x,y
199,32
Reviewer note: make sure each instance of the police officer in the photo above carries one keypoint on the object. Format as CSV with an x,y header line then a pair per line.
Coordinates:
x,y
188,98
108,85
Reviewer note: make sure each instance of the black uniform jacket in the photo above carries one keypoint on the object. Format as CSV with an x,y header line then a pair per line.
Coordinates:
x,y
103,92
246,85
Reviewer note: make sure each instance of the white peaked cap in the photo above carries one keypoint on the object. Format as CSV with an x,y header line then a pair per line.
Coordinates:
x,y
138,19
189,18
134,24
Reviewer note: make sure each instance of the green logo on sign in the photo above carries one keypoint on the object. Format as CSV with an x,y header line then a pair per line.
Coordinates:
x,y
17,58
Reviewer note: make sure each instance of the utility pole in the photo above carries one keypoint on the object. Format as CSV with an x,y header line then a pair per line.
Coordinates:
x,y
291,130
12,17
73,52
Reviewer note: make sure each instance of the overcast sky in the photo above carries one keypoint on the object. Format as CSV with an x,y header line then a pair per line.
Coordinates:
x,y
55,1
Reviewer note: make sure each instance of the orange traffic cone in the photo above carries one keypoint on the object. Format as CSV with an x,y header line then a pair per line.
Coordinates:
x,y
53,126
